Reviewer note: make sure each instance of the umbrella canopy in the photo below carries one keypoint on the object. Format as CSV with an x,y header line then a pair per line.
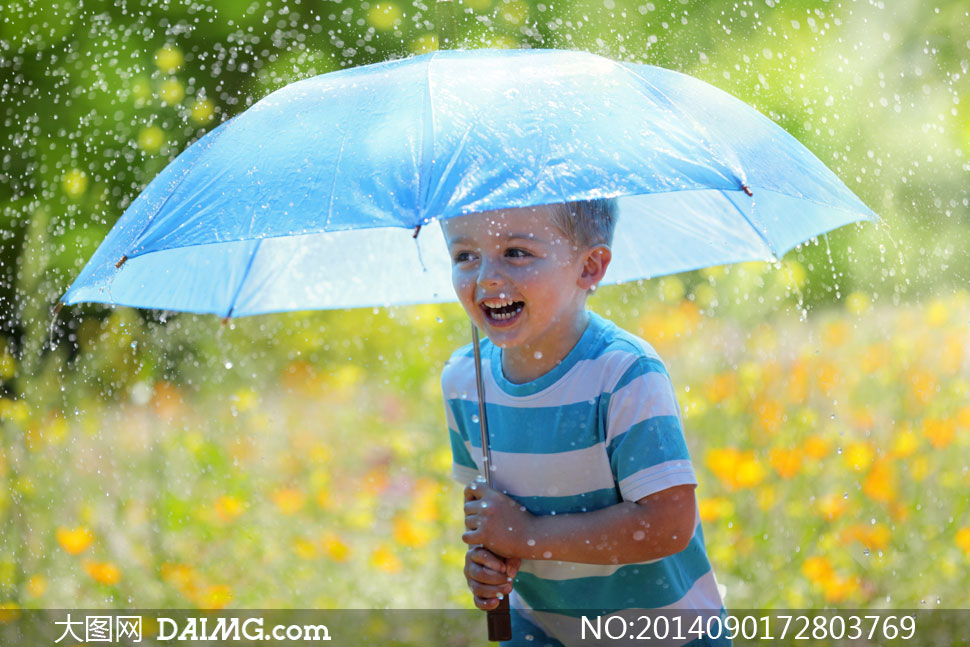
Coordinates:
x,y
310,198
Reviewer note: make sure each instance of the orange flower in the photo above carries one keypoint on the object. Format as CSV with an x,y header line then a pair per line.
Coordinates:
x,y
939,432
880,483
771,415
817,447
952,353
923,386
74,541
167,400
797,390
828,376
408,533
715,508
963,417
736,469
722,387
288,500
103,572
787,462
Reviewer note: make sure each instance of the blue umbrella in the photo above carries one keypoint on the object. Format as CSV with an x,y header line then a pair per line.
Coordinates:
x,y
315,196
310,198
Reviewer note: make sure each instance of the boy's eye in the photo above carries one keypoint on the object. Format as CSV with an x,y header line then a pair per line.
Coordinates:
x,y
461,257
517,252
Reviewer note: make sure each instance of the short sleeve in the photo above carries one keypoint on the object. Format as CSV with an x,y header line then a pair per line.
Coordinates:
x,y
463,466
644,433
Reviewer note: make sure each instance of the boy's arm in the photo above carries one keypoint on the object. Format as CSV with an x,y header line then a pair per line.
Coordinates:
x,y
655,526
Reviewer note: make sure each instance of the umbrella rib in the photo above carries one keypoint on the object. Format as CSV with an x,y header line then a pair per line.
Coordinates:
x,y
748,219
242,281
215,134
427,142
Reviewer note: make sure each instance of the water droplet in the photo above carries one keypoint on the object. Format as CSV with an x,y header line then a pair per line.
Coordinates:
x,y
531,542
475,418
537,354
547,554
228,365
639,535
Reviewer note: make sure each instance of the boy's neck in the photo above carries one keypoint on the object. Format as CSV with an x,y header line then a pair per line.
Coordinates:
x,y
527,363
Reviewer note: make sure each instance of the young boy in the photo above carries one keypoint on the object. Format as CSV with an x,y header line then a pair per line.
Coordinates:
x,y
593,506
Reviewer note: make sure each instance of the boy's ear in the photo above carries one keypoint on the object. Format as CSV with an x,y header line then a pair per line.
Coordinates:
x,y
597,260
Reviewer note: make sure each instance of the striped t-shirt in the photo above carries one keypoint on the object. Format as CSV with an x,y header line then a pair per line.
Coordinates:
x,y
602,427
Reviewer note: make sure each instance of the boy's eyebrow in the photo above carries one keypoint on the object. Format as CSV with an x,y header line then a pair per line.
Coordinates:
x,y
468,241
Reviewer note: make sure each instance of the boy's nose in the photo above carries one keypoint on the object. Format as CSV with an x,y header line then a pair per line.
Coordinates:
x,y
489,276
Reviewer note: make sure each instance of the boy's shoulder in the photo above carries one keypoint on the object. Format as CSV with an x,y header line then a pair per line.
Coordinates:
x,y
614,340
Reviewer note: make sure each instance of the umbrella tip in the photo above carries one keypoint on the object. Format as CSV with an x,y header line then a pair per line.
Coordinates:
x,y
417,230
747,190
121,261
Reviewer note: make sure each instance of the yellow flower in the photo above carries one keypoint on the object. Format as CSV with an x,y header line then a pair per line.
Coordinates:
x,y
938,313
858,456
736,469
335,547
304,549
9,612
384,15
37,585
721,387
963,539
410,534
171,92
817,569
106,573
228,507
716,508
952,354
215,597
75,183
202,111
835,333
857,303
425,504
919,469
169,59
385,560
151,139
74,541
424,43
905,442
832,506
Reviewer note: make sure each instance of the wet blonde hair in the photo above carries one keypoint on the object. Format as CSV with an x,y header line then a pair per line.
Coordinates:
x,y
587,222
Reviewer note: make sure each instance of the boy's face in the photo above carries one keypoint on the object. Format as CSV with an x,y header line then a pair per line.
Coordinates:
x,y
519,278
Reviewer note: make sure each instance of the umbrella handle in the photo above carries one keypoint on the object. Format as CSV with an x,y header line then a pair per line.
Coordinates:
x,y
500,622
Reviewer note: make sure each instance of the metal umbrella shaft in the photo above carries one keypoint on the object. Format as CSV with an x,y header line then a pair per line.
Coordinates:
x,y
499,620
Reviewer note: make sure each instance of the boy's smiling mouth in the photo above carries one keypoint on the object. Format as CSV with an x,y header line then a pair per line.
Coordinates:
x,y
501,311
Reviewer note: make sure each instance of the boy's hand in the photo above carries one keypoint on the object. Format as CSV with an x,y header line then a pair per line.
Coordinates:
x,y
489,575
496,521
